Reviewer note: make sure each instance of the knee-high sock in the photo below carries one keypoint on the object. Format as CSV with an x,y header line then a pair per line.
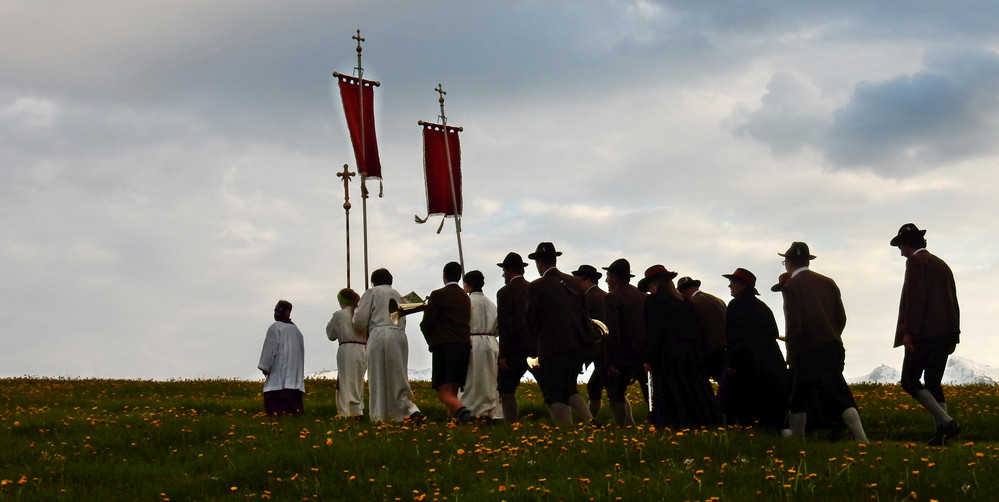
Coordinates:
x,y
627,410
622,413
579,405
510,407
561,414
798,425
931,404
852,420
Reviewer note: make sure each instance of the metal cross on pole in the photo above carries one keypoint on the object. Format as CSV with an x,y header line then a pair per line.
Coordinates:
x,y
346,175
450,176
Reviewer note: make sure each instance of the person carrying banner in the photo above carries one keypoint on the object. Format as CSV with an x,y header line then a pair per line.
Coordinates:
x,y
389,395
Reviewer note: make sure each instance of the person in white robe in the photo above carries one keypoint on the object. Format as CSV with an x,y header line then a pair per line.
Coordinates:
x,y
282,360
351,356
390,399
480,393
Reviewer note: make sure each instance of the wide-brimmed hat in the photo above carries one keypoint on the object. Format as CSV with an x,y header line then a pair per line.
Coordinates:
x,y
744,276
687,282
798,250
545,250
906,233
620,266
588,271
657,271
512,260
780,282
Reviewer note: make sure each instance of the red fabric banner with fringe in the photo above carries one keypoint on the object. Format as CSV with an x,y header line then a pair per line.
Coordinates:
x,y
362,138
440,199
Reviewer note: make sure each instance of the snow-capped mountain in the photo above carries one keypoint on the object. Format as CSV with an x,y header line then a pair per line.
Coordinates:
x,y
960,371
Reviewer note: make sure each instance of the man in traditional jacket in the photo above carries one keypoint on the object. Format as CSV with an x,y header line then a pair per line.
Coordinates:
x,y
515,342
556,317
711,314
480,394
351,356
757,384
928,326
282,360
389,395
814,319
447,329
588,279
624,311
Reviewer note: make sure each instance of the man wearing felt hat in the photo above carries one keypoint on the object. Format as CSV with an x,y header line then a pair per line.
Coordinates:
x,y
515,342
556,317
711,315
814,319
589,278
625,318
928,327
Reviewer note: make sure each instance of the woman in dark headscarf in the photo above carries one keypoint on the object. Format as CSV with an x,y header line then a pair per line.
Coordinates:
x,y
757,385
680,393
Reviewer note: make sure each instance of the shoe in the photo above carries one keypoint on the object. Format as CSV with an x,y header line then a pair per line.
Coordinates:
x,y
944,432
417,416
464,416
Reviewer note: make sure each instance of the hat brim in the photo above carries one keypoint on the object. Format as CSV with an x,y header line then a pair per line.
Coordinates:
x,y
899,238
535,255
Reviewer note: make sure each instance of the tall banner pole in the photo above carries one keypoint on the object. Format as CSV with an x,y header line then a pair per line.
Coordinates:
x,y
346,175
450,177
364,185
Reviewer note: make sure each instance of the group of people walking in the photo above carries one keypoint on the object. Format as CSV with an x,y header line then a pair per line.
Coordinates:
x,y
671,338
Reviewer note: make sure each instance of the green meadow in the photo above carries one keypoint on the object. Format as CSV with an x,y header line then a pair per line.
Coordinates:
x,y
66,439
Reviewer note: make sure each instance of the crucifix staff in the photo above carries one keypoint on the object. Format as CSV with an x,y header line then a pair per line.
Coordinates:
x,y
450,176
346,175
364,184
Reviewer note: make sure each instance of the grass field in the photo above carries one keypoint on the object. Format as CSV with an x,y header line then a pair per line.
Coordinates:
x,y
207,440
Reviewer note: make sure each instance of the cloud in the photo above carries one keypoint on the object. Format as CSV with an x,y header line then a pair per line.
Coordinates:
x,y
896,127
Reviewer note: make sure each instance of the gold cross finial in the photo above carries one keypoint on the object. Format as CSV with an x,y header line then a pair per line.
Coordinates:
x,y
359,40
346,175
440,90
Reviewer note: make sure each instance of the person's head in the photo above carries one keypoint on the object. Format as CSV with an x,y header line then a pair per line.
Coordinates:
x,y
452,271
381,277
282,311
909,239
474,281
347,298
687,286
660,280
588,275
741,280
796,256
513,266
544,256
618,273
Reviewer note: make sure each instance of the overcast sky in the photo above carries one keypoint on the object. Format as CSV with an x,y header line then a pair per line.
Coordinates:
x,y
169,167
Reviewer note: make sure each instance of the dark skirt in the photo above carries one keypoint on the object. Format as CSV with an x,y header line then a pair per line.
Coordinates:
x,y
757,390
283,402
681,393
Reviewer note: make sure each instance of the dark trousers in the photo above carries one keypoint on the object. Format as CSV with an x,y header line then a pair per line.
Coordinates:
x,y
559,374
817,381
928,361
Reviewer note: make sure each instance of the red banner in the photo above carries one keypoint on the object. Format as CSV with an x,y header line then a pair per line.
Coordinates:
x,y
358,106
440,197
